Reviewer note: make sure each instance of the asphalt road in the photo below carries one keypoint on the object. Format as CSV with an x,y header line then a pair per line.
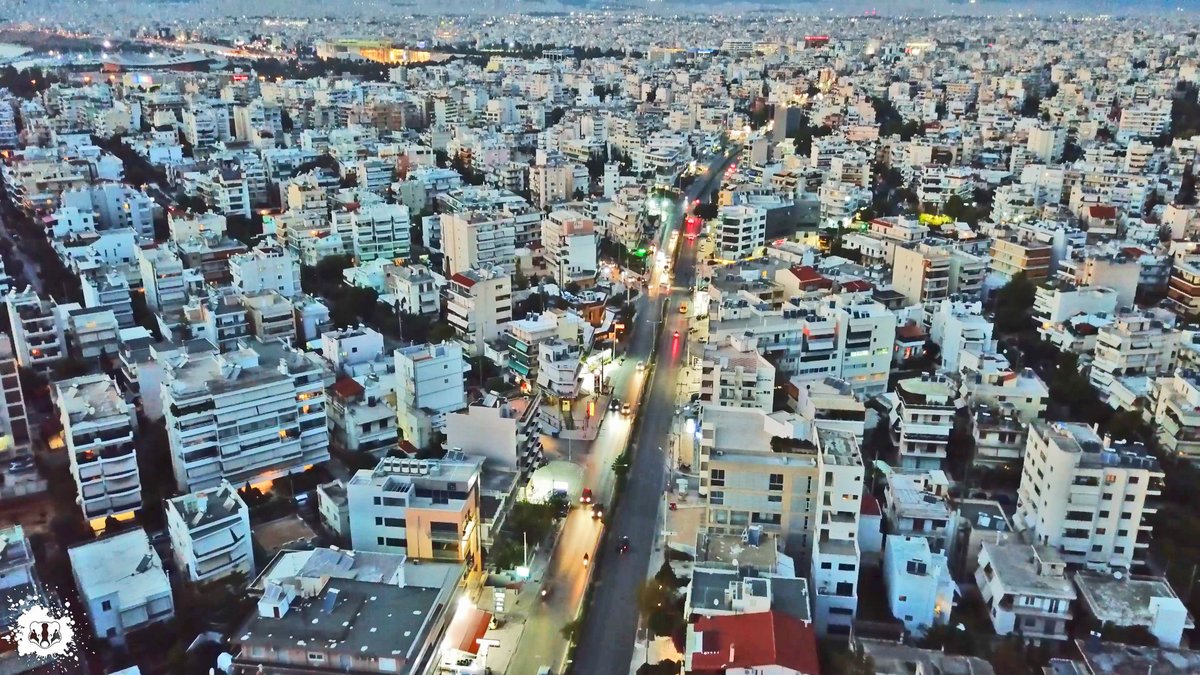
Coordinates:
x,y
610,627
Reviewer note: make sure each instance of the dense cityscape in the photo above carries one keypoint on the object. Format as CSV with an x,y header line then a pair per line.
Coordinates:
x,y
568,337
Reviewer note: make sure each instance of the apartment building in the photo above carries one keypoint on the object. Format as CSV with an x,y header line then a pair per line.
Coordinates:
x,y
108,289
225,190
569,242
1010,257
415,288
830,403
1147,121
835,553
122,584
266,267
552,183
1026,590
1183,286
1087,497
504,432
1055,302
14,421
1175,411
360,420
735,374
425,509
479,306
380,231
210,534
916,504
92,334
559,362
920,590
957,327
270,317
923,421
1135,347
250,415
474,239
38,332
163,278
740,231
98,432
430,385
922,274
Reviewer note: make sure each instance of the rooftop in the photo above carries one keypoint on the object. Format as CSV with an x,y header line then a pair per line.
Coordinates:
x,y
1124,601
92,398
1081,439
893,658
744,641
1111,658
1017,566
205,507
124,564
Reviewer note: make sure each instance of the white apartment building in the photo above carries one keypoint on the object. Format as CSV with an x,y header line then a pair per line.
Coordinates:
x,y
740,231
98,431
1087,497
830,403
225,190
244,416
204,125
1136,346
916,505
38,332
414,289
360,419
14,421
839,201
476,239
1046,143
162,278
922,274
1056,302
266,267
122,584
735,374
114,206
551,183
835,552
503,431
210,534
425,509
938,184
920,590
923,421
380,231
558,367
957,327
479,306
108,290
1144,122
1026,590
1176,412
569,244
430,385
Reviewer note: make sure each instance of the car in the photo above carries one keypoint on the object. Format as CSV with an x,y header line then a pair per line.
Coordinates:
x,y
597,511
23,465
623,545
676,335
586,497
614,404
625,409
641,366
683,308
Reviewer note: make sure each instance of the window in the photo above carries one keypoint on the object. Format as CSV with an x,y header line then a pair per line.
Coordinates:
x,y
378,501
717,498
379,520
826,565
775,482
379,540
1096,548
106,605
846,567
1119,549
1130,498
775,499
398,543
717,477
903,598
316,657
393,522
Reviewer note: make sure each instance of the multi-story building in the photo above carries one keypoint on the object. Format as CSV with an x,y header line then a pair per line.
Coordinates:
x,y
916,505
14,421
735,374
1176,412
475,239
920,590
959,326
414,288
266,267
426,509
430,385
835,551
1183,286
1087,497
246,416
1026,590
1011,257
1055,302
122,584
741,230
479,306
1145,122
380,231
98,430
360,420
922,274
162,278
559,362
569,247
38,331
108,290
925,420
503,431
1136,346
210,534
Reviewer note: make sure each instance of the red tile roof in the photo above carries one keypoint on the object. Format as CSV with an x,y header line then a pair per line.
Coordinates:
x,y
1102,211
463,279
755,640
347,387
807,276
408,448
857,286
1133,251
910,331
869,506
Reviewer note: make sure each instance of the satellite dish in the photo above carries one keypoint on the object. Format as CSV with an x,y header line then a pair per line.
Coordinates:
x,y
225,662
1117,575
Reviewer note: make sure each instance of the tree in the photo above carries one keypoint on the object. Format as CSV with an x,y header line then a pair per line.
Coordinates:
x,y
706,210
1187,187
1013,303
441,332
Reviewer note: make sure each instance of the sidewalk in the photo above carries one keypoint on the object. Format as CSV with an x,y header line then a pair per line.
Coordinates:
x,y
579,426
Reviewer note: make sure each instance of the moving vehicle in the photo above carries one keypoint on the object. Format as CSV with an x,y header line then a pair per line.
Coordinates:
x,y
676,335
683,308
586,559
625,409
641,366
586,497
614,404
623,545
597,512
545,591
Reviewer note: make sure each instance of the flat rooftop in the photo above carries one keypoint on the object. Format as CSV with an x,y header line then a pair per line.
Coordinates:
x,y
732,549
124,564
1016,566
1125,601
893,658
1111,658
208,506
